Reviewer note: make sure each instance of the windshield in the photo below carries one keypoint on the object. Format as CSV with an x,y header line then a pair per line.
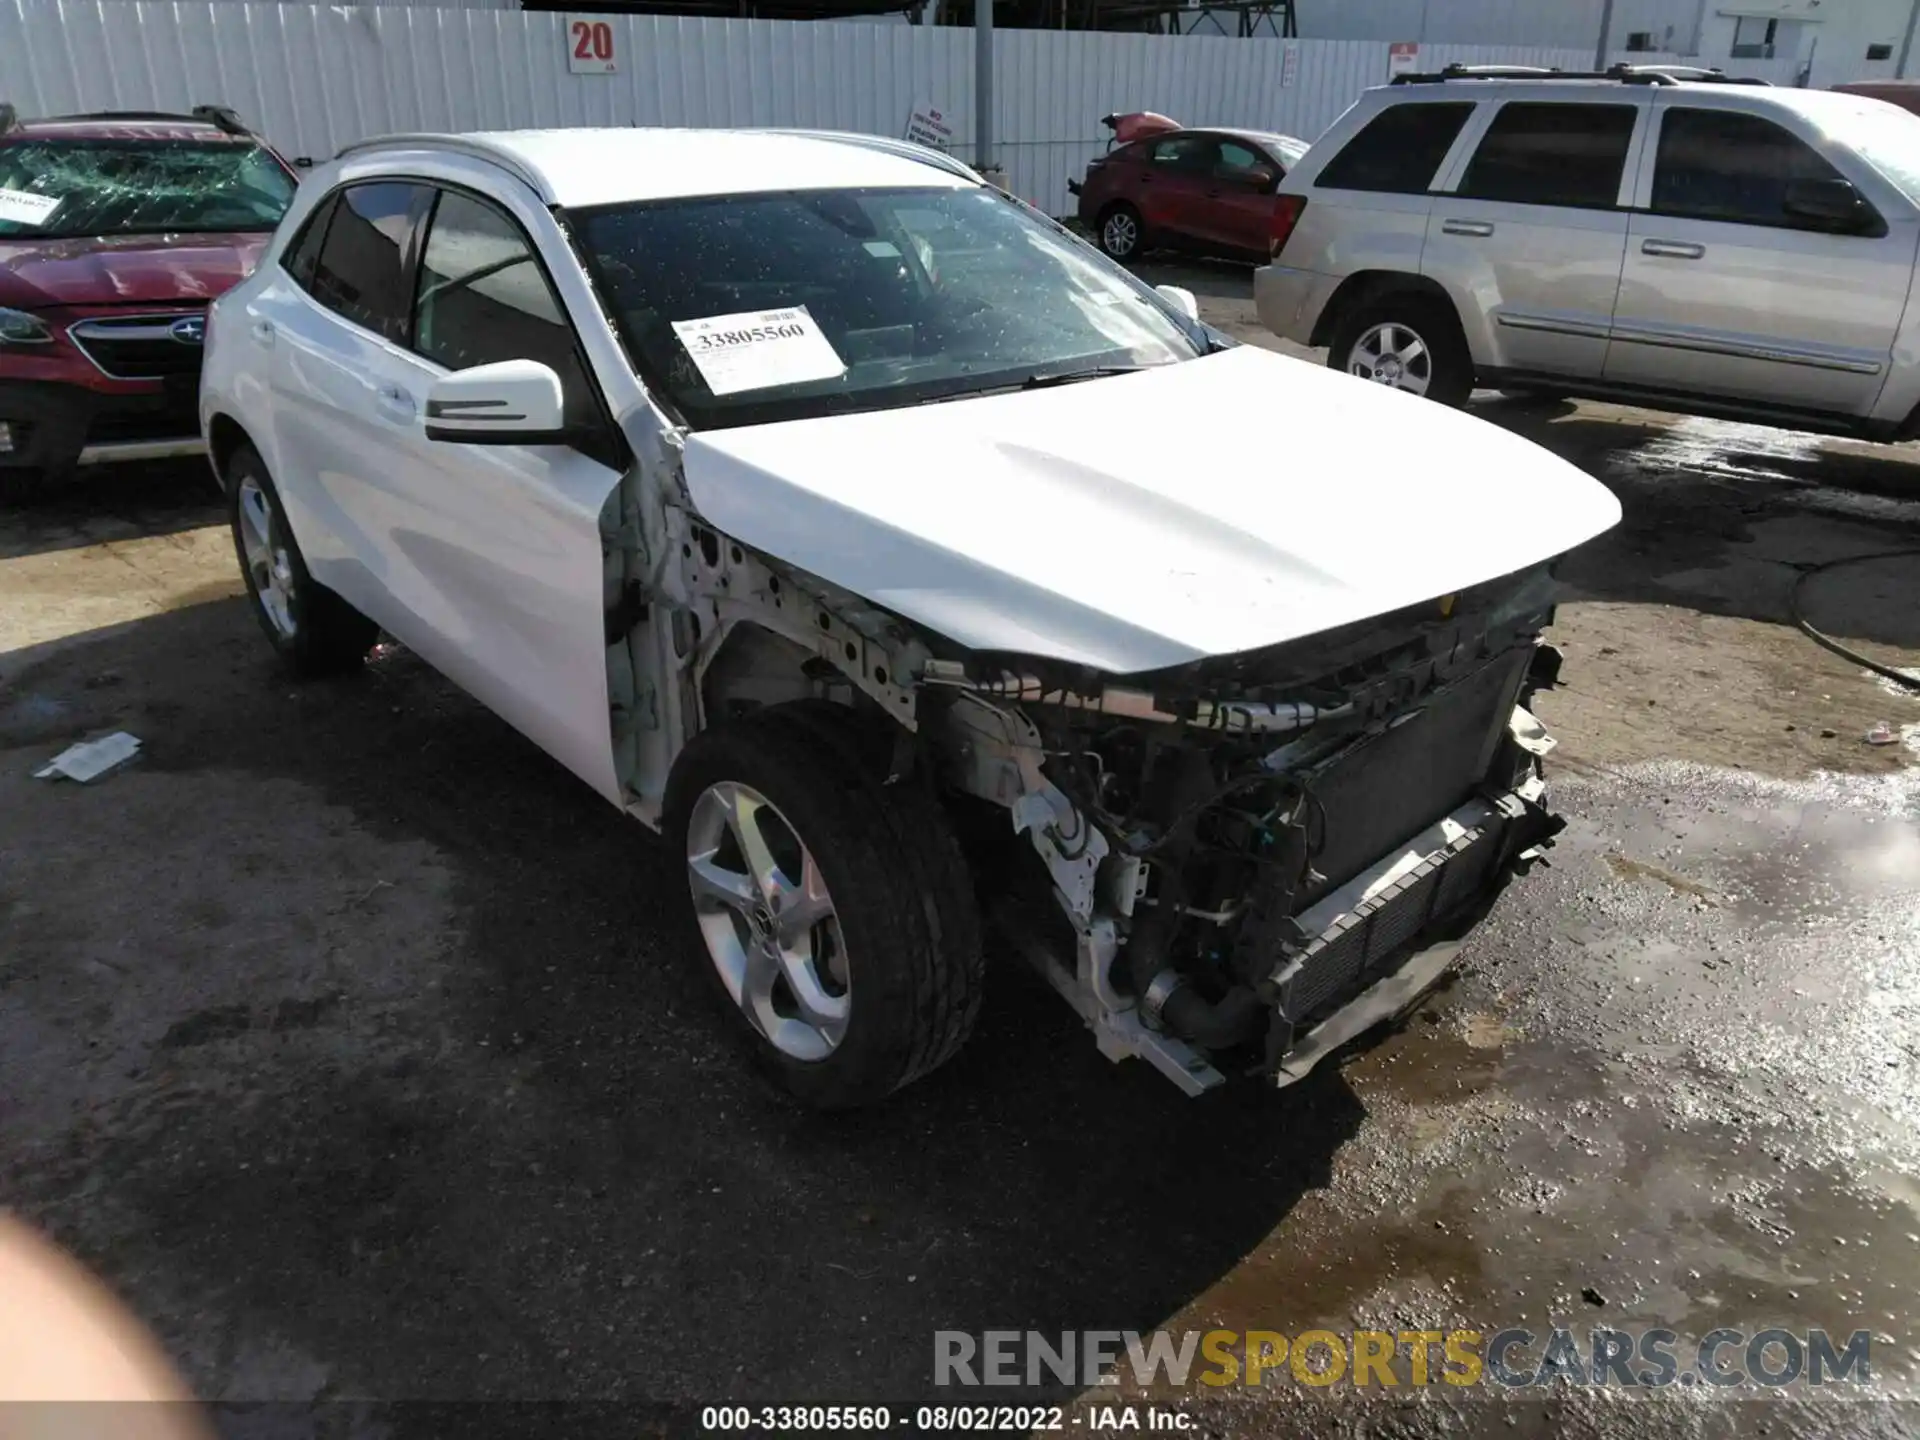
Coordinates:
x,y
1885,137
753,308
56,189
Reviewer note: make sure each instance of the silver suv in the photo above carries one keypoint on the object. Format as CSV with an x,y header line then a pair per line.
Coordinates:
x,y
1695,245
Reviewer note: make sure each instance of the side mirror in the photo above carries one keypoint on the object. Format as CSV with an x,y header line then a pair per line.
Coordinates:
x,y
1181,299
513,402
1262,179
1829,204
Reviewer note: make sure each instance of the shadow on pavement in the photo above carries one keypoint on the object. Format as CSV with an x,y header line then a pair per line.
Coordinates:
x,y
111,502
1725,533
527,1162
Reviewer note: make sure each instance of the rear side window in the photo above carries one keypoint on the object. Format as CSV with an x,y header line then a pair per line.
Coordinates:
x,y
1552,155
1398,150
304,252
1186,154
360,272
1719,165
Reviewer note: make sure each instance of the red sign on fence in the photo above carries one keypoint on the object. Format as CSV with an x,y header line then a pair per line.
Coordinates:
x,y
590,45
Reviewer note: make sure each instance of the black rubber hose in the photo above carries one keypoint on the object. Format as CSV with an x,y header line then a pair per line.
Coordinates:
x,y
1234,1017
1886,672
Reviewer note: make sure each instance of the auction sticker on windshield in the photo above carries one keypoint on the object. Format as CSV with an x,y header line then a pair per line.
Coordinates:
x,y
759,349
25,208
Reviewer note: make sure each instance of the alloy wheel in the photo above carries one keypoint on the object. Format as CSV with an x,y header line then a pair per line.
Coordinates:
x,y
1120,233
1393,355
267,564
768,920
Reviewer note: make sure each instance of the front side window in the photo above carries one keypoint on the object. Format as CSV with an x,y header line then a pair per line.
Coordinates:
x,y
1569,155
142,187
752,308
360,272
1722,165
1399,150
482,298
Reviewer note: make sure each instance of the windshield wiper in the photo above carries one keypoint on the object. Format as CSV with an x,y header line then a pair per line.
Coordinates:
x,y
1071,377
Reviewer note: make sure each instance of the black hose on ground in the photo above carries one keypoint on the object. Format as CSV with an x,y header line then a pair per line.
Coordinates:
x,y
1886,672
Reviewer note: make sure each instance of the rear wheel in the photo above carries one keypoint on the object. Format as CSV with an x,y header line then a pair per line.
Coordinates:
x,y
312,629
1121,232
1407,343
834,909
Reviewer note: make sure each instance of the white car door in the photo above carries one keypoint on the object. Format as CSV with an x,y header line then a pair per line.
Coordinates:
x,y
486,560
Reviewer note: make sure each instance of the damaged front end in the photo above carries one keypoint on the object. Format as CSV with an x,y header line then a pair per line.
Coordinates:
x,y
1248,860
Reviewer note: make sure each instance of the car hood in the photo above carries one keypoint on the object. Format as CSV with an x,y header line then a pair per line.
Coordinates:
x,y
1220,505
124,269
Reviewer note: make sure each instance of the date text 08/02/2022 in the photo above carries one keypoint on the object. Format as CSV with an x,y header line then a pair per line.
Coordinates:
x,y
934,1419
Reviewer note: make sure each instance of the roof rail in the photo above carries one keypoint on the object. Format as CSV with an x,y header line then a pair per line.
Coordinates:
x,y
886,144
460,144
1623,73
220,117
223,116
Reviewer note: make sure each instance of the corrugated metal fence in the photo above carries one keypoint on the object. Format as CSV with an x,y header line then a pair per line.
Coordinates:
x,y
315,77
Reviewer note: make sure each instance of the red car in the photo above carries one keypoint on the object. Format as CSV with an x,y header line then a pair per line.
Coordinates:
x,y
1203,191
115,232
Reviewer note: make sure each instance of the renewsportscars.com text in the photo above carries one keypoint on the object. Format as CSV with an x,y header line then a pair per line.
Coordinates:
x,y
1650,1357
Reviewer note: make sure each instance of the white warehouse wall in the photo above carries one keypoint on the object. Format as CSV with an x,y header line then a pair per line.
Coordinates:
x,y
1833,35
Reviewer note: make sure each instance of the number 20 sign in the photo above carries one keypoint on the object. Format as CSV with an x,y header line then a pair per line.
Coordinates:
x,y
590,45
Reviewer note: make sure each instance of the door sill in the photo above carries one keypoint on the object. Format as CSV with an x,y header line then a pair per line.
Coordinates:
x,y
1783,417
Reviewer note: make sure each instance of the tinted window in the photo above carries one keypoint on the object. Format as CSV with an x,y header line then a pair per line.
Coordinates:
x,y
1188,154
1552,155
299,257
360,273
1717,165
1399,150
1236,156
484,298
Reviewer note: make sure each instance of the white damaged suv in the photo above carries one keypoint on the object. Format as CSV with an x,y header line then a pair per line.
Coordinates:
x,y
880,542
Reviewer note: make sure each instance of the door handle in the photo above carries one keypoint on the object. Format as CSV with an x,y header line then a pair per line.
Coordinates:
x,y
1466,227
395,402
263,332
1673,249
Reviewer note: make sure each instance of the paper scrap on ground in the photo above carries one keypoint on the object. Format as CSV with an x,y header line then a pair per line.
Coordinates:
x,y
25,208
759,349
91,759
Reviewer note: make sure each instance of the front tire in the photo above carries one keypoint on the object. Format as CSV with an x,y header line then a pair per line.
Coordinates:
x,y
313,630
1407,343
1121,232
834,909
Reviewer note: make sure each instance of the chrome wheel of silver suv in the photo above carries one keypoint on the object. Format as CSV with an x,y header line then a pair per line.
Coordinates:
x,y
1393,355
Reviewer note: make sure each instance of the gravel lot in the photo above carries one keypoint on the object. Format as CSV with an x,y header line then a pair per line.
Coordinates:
x,y
362,1051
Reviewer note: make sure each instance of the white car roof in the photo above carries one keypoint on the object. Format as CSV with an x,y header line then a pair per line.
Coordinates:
x,y
611,166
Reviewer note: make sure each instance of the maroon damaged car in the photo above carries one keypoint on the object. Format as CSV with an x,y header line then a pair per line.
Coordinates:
x,y
116,230
1206,192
